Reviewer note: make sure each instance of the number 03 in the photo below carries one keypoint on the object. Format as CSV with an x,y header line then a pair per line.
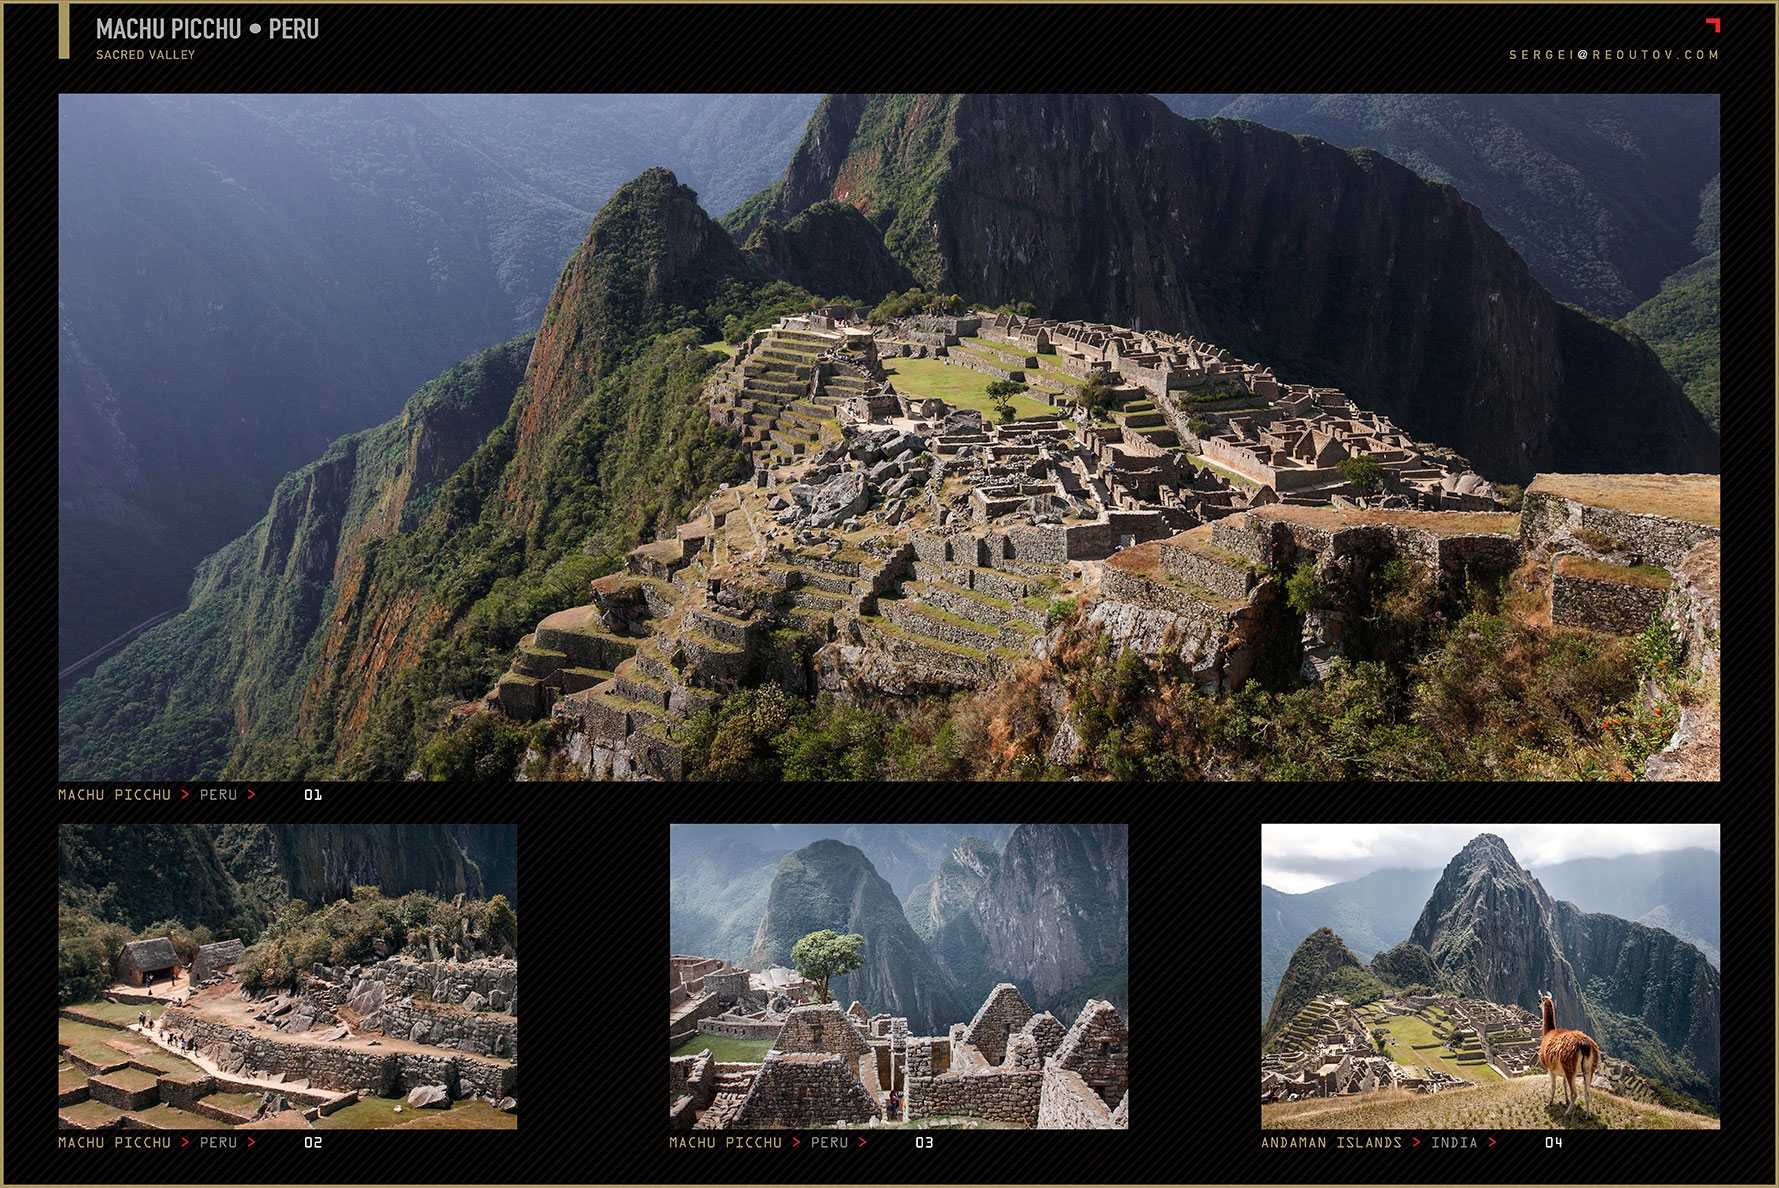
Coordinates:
x,y
923,1140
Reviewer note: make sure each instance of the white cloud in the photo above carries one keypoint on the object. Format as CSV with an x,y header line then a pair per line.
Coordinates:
x,y
1298,858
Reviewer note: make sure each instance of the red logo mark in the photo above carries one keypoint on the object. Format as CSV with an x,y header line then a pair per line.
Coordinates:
x,y
1716,24
861,1144
183,1141
183,794
795,1141
1417,1140
1491,1140
250,793
250,1140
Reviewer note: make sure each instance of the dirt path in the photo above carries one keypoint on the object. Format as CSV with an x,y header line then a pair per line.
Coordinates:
x,y
230,1011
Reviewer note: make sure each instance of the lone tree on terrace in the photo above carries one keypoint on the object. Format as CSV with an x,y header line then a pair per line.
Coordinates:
x,y
825,954
1363,471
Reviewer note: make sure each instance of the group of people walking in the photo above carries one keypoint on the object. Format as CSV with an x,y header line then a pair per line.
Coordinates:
x,y
148,1022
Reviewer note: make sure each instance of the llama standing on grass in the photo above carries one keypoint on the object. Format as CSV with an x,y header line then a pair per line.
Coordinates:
x,y
1570,1052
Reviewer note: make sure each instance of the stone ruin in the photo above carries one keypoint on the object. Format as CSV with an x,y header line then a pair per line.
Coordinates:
x,y
830,1066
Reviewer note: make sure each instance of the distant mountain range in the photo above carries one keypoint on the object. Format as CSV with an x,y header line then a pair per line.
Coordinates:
x,y
1677,890
244,278
1049,912
1598,193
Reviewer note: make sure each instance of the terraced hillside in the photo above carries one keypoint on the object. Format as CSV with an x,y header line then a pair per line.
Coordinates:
x,y
733,599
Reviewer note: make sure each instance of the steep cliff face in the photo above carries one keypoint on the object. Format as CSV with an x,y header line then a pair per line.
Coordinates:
x,y
177,700
1055,917
953,887
1337,267
1311,971
829,249
1489,928
651,255
1640,977
829,884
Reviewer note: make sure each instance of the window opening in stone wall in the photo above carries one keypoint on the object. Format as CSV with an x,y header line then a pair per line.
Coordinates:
x,y
815,1033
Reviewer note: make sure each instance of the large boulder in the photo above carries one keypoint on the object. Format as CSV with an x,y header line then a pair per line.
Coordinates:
x,y
842,496
435,1096
366,997
474,1001
508,1105
300,1024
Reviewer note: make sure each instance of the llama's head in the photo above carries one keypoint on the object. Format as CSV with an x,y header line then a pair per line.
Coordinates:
x,y
1550,1014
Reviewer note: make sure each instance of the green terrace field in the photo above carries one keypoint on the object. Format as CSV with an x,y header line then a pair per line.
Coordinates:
x,y
378,1113
1415,1045
955,385
117,1012
92,1042
1503,1105
724,1050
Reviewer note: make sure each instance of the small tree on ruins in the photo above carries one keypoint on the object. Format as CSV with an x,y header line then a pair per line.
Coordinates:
x,y
824,955
1363,471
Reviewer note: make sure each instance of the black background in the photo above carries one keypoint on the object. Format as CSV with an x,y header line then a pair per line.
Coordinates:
x,y
592,855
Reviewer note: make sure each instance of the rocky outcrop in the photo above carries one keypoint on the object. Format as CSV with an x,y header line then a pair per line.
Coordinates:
x,y
831,250
1649,976
1489,927
953,887
829,884
1054,918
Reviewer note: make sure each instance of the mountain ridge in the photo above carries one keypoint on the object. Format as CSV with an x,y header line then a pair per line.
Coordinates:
x,y
1393,287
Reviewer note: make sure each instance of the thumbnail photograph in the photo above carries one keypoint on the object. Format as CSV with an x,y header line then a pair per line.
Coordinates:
x,y
1397,993
292,977
888,436
898,977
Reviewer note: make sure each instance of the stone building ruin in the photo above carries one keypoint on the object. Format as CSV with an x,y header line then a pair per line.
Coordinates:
x,y
829,1066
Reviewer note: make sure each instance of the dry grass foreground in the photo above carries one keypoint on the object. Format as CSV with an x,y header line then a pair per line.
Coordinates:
x,y
1510,1105
1695,498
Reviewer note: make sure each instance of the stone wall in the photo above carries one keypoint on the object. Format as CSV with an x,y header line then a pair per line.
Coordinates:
x,y
1230,579
327,1066
1038,544
1554,523
495,979
729,984
1047,1034
1620,607
838,1034
120,1098
1098,1049
1695,607
1067,1103
1121,1115
802,1089
184,1095
739,1028
481,1033
695,1075
1089,542
1002,1014
1000,1094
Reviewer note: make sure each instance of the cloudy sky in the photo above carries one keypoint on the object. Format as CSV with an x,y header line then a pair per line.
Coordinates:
x,y
1298,858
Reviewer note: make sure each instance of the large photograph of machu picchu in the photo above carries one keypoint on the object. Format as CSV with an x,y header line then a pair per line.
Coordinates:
x,y
899,976
899,436
293,977
1585,997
